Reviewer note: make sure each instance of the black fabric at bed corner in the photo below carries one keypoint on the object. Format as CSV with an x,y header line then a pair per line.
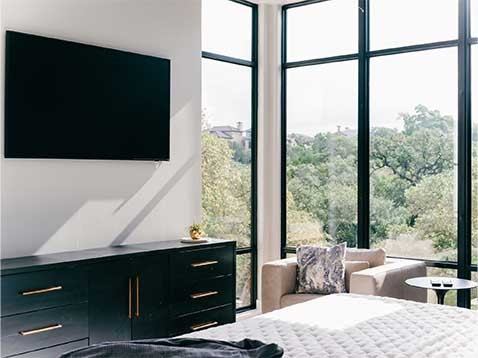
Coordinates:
x,y
179,348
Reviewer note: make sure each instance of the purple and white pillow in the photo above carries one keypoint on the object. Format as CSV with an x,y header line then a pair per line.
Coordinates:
x,y
321,270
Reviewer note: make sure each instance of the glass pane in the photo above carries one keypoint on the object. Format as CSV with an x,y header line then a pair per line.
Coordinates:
x,y
322,154
413,154
226,151
474,116
474,293
395,23
451,296
243,280
325,29
474,18
227,28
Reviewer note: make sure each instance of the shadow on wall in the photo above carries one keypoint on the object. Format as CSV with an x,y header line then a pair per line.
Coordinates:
x,y
148,208
69,221
48,205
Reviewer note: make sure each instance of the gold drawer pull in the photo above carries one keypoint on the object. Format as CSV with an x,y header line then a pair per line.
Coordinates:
x,y
43,290
137,296
204,294
204,325
40,330
204,263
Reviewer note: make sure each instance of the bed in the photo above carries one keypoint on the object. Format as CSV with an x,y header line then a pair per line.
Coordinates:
x,y
347,325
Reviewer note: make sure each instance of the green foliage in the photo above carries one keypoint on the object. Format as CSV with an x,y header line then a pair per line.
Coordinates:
x,y
431,202
321,177
424,147
226,192
241,155
226,202
386,219
302,228
412,184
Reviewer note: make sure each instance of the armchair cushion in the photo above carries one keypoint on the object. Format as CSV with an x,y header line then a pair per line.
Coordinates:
x,y
375,257
351,267
389,280
278,279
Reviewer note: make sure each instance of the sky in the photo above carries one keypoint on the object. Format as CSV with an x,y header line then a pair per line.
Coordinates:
x,y
322,97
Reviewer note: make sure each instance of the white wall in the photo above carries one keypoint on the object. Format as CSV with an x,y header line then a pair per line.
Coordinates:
x,y
59,205
269,146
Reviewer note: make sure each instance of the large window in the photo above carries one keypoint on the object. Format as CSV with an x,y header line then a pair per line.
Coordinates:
x,y
321,133
413,130
380,144
426,21
322,154
229,116
322,30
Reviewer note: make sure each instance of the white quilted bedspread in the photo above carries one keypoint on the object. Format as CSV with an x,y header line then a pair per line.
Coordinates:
x,y
345,325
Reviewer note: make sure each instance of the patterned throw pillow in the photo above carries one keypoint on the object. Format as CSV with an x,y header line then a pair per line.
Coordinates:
x,y
320,269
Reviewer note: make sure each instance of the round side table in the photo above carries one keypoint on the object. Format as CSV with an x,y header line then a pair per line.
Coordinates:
x,y
441,291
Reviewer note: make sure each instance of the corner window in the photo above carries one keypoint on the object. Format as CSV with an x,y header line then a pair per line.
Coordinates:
x,y
229,125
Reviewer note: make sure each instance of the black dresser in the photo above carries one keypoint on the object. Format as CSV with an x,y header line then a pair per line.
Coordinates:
x,y
54,303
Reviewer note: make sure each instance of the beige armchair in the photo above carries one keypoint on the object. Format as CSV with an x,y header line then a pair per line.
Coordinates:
x,y
367,272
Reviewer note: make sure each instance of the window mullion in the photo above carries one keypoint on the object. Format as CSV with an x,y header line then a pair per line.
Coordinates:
x,y
254,119
464,150
283,133
363,188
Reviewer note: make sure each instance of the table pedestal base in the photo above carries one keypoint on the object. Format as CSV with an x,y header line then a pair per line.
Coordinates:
x,y
440,296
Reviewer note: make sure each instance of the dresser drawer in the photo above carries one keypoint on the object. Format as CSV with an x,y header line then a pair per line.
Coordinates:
x,y
190,265
56,351
201,295
31,331
203,320
43,289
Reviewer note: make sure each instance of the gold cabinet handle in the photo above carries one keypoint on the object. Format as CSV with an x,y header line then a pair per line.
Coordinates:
x,y
40,330
137,296
197,327
129,298
203,294
204,263
42,290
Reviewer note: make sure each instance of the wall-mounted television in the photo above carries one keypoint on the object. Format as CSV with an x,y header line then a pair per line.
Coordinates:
x,y
66,100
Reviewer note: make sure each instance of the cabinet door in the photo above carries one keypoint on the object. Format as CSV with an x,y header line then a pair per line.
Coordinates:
x,y
150,310
110,301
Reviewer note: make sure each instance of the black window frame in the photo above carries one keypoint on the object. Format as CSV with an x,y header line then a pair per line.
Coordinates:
x,y
463,265
253,65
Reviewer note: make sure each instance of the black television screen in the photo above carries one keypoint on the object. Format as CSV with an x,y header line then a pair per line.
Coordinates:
x,y
75,101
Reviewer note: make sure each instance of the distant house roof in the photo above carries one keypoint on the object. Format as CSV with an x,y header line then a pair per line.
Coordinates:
x,y
224,129
226,132
220,134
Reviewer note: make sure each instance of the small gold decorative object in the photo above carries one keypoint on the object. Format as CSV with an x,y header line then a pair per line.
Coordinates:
x,y
196,231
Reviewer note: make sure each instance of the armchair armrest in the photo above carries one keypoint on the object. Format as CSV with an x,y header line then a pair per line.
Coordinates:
x,y
389,280
278,279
